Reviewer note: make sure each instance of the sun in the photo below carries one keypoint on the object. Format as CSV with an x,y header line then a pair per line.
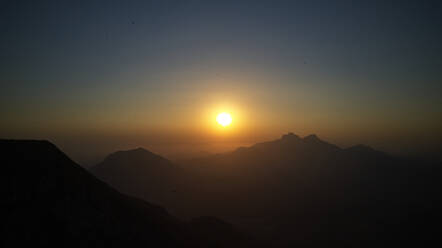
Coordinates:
x,y
224,119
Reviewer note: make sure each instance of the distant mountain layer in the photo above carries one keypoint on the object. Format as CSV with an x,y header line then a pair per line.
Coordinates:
x,y
49,201
295,191
127,170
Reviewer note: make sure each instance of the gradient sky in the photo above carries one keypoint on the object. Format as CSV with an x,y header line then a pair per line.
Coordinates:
x,y
95,76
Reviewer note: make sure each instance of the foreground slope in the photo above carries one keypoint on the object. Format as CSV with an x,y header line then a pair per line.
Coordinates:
x,y
49,201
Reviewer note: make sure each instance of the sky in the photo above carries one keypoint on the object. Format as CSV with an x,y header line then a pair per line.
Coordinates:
x,y
97,76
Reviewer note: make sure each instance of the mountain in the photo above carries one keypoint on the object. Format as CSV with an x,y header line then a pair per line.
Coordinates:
x,y
306,192
50,201
143,174
312,193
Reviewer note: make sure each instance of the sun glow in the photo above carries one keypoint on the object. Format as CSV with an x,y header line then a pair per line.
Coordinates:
x,y
224,119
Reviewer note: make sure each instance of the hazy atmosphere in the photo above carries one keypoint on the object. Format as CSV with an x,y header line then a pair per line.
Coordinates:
x,y
98,76
220,124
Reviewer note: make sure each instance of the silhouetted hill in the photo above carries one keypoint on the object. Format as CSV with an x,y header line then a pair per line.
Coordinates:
x,y
312,193
306,192
129,170
49,201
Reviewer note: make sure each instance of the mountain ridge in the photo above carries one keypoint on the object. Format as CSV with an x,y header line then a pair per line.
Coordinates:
x,y
50,200
294,185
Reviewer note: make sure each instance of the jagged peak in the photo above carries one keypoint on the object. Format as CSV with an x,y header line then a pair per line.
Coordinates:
x,y
311,137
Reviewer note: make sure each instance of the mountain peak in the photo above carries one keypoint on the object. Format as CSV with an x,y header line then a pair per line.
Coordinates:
x,y
137,154
139,150
289,136
311,137
33,144
313,140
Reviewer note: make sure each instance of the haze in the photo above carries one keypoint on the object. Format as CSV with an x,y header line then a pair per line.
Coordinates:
x,y
99,76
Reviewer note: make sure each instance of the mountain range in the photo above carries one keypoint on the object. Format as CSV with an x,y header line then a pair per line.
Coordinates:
x,y
293,191
50,201
289,192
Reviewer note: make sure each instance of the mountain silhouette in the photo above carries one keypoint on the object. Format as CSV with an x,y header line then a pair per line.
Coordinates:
x,y
306,192
50,201
128,170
